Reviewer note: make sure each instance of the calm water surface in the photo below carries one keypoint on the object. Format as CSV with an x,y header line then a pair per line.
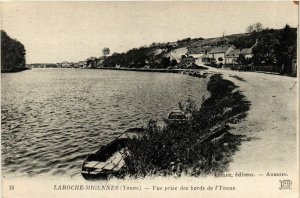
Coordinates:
x,y
52,118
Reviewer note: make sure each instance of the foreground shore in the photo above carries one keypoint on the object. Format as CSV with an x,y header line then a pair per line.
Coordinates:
x,y
270,127
271,124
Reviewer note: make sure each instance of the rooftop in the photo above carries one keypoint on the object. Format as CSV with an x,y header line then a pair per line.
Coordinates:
x,y
246,51
221,49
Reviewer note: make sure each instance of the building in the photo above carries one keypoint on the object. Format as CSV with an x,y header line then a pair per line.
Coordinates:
x,y
247,52
219,53
232,56
199,53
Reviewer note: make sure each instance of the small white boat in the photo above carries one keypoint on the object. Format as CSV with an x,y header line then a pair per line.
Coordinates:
x,y
177,116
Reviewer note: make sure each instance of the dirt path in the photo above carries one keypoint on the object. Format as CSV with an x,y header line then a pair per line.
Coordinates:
x,y
271,122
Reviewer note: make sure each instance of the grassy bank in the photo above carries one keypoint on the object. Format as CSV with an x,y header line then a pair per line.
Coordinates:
x,y
180,148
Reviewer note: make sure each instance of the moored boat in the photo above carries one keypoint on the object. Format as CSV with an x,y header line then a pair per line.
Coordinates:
x,y
109,160
177,116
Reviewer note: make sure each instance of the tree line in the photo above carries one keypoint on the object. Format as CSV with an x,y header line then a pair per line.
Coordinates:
x,y
12,54
139,57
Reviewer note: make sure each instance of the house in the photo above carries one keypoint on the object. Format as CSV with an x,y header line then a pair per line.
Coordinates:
x,y
206,60
218,53
199,53
247,52
232,56
199,50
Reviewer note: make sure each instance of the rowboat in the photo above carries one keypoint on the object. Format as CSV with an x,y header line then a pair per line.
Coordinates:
x,y
177,116
109,160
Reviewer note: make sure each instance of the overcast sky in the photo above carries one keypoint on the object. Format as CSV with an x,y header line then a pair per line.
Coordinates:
x,y
73,31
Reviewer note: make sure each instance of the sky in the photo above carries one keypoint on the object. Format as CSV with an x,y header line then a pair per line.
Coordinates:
x,y
73,31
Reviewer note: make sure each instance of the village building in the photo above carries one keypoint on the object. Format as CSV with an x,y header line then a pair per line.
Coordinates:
x,y
247,52
232,56
219,53
210,55
199,53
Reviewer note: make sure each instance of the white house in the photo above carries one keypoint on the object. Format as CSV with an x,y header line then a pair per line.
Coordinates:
x,y
218,53
248,52
232,56
199,52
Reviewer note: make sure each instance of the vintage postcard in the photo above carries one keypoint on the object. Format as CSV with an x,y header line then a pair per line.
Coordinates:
x,y
149,99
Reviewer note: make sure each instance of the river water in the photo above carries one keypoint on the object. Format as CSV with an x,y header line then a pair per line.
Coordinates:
x,y
52,118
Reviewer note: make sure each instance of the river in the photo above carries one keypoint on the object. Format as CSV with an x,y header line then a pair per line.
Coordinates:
x,y
52,118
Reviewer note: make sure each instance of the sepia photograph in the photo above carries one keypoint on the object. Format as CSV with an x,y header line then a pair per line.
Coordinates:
x,y
149,98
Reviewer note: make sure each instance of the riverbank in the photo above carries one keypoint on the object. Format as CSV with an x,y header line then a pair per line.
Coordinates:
x,y
268,126
200,146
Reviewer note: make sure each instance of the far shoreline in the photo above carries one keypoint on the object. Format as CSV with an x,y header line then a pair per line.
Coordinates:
x,y
15,70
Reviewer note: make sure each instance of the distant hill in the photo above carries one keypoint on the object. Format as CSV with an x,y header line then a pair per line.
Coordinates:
x,y
154,54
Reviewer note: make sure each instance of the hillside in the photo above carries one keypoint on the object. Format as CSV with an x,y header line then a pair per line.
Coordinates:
x,y
272,50
160,55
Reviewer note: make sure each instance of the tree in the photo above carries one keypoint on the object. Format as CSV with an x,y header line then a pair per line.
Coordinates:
x,y
250,29
264,51
12,53
165,62
256,27
173,62
286,48
105,51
